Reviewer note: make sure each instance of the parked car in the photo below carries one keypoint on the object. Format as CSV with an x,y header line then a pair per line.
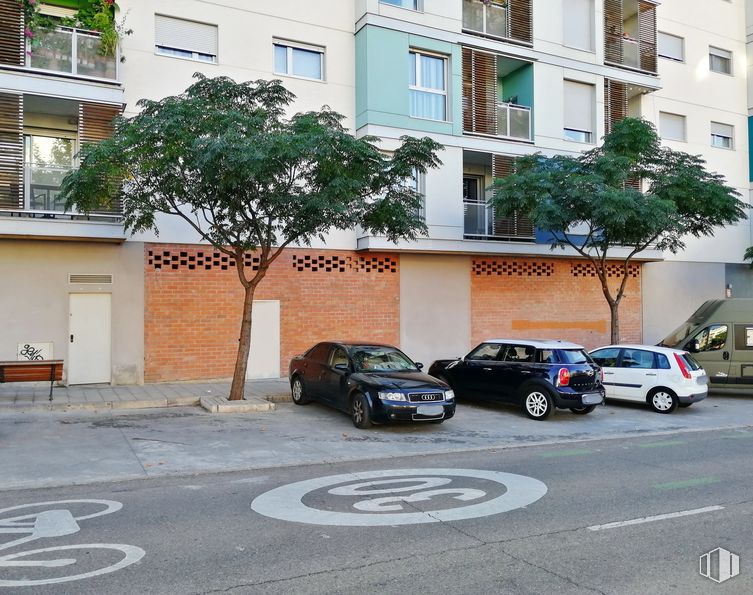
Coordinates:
x,y
663,378
538,375
719,335
371,382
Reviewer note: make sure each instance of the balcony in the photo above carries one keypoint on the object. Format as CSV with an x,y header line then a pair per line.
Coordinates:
x,y
486,19
630,34
514,121
73,52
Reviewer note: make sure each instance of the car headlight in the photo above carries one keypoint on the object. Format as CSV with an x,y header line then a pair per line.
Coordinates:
x,y
449,395
384,396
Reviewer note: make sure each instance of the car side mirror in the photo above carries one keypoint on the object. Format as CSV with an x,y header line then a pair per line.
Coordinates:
x,y
694,346
419,365
342,367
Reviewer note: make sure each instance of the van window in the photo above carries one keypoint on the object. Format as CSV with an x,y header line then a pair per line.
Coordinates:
x,y
712,338
744,337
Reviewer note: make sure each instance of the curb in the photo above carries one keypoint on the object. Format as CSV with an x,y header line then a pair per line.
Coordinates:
x,y
216,404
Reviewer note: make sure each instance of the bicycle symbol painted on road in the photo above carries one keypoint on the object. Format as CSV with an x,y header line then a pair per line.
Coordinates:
x,y
44,520
399,497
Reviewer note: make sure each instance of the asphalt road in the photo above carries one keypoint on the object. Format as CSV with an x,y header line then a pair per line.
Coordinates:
x,y
200,534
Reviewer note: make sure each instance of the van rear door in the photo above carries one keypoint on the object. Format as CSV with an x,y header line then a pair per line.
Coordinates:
x,y
712,346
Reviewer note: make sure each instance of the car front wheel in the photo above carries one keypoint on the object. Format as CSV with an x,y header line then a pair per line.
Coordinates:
x,y
583,410
663,400
360,412
298,392
537,403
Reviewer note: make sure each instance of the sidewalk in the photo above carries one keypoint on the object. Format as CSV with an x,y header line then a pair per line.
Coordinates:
x,y
34,396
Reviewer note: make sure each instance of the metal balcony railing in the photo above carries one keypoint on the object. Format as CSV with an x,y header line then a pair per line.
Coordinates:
x,y
71,51
481,223
514,121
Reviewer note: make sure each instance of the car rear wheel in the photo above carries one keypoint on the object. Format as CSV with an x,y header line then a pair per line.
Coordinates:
x,y
537,403
299,392
583,410
663,400
360,412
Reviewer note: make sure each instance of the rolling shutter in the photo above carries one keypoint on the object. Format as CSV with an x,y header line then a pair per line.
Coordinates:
x,y
185,35
517,226
12,50
11,151
479,92
579,106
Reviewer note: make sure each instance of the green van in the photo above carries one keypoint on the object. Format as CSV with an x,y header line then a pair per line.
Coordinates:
x,y
720,336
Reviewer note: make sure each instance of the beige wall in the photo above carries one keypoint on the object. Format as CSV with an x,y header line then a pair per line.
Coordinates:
x,y
435,306
34,300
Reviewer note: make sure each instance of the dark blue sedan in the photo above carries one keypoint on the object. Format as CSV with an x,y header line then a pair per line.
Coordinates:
x,y
371,382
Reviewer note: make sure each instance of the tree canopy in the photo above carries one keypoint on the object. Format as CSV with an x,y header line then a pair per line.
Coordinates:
x,y
224,157
630,194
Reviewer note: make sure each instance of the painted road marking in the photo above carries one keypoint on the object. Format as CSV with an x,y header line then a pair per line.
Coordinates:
x,y
286,502
664,443
689,483
658,517
573,452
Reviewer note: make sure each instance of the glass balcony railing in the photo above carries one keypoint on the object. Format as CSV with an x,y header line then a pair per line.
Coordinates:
x,y
43,187
487,18
514,121
631,53
481,223
71,51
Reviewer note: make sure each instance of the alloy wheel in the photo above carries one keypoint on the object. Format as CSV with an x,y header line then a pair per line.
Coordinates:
x,y
537,404
357,411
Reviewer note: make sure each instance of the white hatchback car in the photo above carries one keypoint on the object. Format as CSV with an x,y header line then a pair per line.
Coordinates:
x,y
662,377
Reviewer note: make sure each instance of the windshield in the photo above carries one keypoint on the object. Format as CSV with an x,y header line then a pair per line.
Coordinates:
x,y
574,356
368,358
678,335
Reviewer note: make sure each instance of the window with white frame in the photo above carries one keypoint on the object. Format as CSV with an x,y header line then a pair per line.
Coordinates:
x,y
579,106
428,86
295,59
722,135
185,39
417,183
671,47
720,60
410,4
578,23
672,126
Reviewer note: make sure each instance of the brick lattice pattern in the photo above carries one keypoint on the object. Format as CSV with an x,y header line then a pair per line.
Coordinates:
x,y
513,268
614,270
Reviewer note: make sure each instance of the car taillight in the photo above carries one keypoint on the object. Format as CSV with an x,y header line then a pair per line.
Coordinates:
x,y
563,377
683,367
601,375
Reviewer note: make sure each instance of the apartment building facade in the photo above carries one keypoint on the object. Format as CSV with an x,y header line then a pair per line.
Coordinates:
x,y
489,80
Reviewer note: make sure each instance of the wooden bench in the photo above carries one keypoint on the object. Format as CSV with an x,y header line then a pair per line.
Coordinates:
x,y
42,370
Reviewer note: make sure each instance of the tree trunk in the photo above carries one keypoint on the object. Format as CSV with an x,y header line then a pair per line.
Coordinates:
x,y
614,329
244,347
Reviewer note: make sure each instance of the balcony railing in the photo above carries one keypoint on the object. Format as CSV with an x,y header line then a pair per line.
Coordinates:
x,y
480,223
487,19
71,51
42,183
514,121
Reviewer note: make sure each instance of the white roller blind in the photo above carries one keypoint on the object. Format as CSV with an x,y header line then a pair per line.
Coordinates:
x,y
185,35
578,24
671,46
579,106
671,126
721,129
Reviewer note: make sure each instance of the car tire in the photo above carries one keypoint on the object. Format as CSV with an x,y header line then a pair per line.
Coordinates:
x,y
583,410
360,412
298,392
537,402
663,400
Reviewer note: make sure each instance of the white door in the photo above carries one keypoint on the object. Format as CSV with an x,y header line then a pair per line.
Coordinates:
x,y
89,341
264,358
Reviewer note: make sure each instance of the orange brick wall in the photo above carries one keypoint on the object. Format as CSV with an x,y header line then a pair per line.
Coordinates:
x,y
193,306
548,299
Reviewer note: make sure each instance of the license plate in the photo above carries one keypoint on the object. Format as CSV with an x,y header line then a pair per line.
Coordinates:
x,y
430,410
592,399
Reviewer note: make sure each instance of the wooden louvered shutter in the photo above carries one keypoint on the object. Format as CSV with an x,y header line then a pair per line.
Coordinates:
x,y
521,20
615,103
613,30
12,50
517,226
11,151
647,36
479,92
95,123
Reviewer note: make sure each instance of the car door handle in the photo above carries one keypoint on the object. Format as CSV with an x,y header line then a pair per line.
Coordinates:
x,y
525,371
650,374
487,369
725,355
608,373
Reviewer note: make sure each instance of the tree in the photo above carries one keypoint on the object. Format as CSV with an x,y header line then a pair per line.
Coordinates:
x,y
223,157
630,194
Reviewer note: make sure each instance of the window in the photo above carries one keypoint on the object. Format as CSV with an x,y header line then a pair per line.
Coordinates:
x,y
486,16
720,60
299,60
185,39
722,135
338,356
578,24
486,351
636,358
606,358
579,111
712,338
519,354
672,126
417,183
428,86
671,47
410,4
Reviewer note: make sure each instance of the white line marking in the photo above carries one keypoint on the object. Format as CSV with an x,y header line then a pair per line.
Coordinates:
x,y
658,517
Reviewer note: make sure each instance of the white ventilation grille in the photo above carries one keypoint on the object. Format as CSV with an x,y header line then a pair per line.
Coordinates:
x,y
90,279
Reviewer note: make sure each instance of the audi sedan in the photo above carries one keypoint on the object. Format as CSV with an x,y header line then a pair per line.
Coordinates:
x,y
373,383
537,375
